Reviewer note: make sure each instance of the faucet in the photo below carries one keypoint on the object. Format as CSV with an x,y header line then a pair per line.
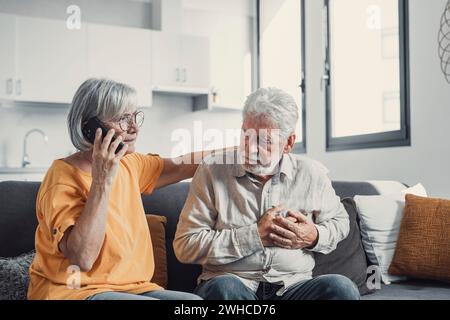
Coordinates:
x,y
26,158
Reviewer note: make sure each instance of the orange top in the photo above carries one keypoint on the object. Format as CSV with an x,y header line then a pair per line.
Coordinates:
x,y
125,262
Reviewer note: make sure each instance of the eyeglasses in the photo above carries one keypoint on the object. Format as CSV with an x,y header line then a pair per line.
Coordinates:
x,y
127,120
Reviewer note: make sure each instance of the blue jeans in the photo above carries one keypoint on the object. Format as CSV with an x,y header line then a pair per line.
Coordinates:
x,y
150,295
326,287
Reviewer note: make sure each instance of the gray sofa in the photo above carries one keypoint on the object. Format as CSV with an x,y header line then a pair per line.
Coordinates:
x,y
18,225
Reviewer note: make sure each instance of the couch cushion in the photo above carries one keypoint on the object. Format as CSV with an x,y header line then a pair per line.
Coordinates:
x,y
380,218
412,290
349,258
157,227
423,246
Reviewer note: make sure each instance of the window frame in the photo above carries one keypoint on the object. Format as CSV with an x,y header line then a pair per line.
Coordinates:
x,y
399,138
299,147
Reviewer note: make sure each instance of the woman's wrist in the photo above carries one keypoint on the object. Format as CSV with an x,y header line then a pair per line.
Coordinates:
x,y
101,184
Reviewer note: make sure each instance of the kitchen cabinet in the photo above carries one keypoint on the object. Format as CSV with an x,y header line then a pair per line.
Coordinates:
x,y
121,54
50,60
180,61
7,55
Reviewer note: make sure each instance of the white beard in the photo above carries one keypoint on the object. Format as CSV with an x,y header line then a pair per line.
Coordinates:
x,y
258,169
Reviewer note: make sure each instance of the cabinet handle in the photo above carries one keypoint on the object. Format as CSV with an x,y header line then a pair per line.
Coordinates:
x,y
19,87
9,86
184,75
178,74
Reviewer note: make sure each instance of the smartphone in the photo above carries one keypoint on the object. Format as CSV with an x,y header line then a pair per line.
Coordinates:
x,y
91,127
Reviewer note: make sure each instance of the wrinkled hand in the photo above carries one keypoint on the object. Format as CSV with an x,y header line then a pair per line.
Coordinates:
x,y
267,225
104,160
298,234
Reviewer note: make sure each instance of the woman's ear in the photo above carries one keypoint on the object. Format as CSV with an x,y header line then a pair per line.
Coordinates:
x,y
290,143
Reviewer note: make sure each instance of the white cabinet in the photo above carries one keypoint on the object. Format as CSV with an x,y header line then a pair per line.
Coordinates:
x,y
195,61
166,68
7,55
121,54
180,61
50,60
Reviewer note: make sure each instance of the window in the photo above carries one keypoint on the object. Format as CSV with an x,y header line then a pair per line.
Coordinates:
x,y
281,58
366,74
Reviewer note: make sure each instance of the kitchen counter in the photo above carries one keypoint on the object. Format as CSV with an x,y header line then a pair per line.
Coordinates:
x,y
22,174
19,170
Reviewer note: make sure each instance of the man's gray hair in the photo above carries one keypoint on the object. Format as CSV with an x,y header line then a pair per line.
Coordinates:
x,y
274,104
103,98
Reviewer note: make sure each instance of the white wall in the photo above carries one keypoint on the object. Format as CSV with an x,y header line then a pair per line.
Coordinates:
x,y
428,159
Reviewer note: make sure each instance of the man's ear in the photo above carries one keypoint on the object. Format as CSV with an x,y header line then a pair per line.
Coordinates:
x,y
290,143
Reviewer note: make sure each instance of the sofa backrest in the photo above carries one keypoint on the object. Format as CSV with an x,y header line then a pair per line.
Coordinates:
x,y
18,219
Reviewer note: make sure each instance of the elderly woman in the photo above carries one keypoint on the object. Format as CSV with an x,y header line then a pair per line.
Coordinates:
x,y
92,241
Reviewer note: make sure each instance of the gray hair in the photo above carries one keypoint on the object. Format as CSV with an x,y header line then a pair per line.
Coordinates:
x,y
274,104
103,98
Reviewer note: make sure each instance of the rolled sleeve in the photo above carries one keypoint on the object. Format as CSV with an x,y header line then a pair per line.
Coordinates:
x,y
60,206
249,240
323,235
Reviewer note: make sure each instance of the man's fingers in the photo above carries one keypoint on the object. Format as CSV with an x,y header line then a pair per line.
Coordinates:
x,y
280,242
283,232
297,215
286,223
277,209
292,219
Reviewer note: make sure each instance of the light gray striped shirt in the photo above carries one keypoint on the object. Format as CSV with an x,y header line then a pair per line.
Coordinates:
x,y
218,224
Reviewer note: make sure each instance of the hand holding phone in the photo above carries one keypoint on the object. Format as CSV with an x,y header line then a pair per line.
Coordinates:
x,y
91,127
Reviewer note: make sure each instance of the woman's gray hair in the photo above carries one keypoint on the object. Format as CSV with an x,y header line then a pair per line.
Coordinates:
x,y
103,98
274,104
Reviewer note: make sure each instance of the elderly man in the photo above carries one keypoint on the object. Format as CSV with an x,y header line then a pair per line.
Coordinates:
x,y
254,224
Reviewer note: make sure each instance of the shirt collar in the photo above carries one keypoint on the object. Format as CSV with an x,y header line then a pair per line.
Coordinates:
x,y
287,166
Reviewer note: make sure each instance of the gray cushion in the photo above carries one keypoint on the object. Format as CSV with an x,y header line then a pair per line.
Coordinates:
x,y
412,290
14,276
349,258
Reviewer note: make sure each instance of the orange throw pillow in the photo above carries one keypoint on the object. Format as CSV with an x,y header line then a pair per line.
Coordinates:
x,y
423,246
157,227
